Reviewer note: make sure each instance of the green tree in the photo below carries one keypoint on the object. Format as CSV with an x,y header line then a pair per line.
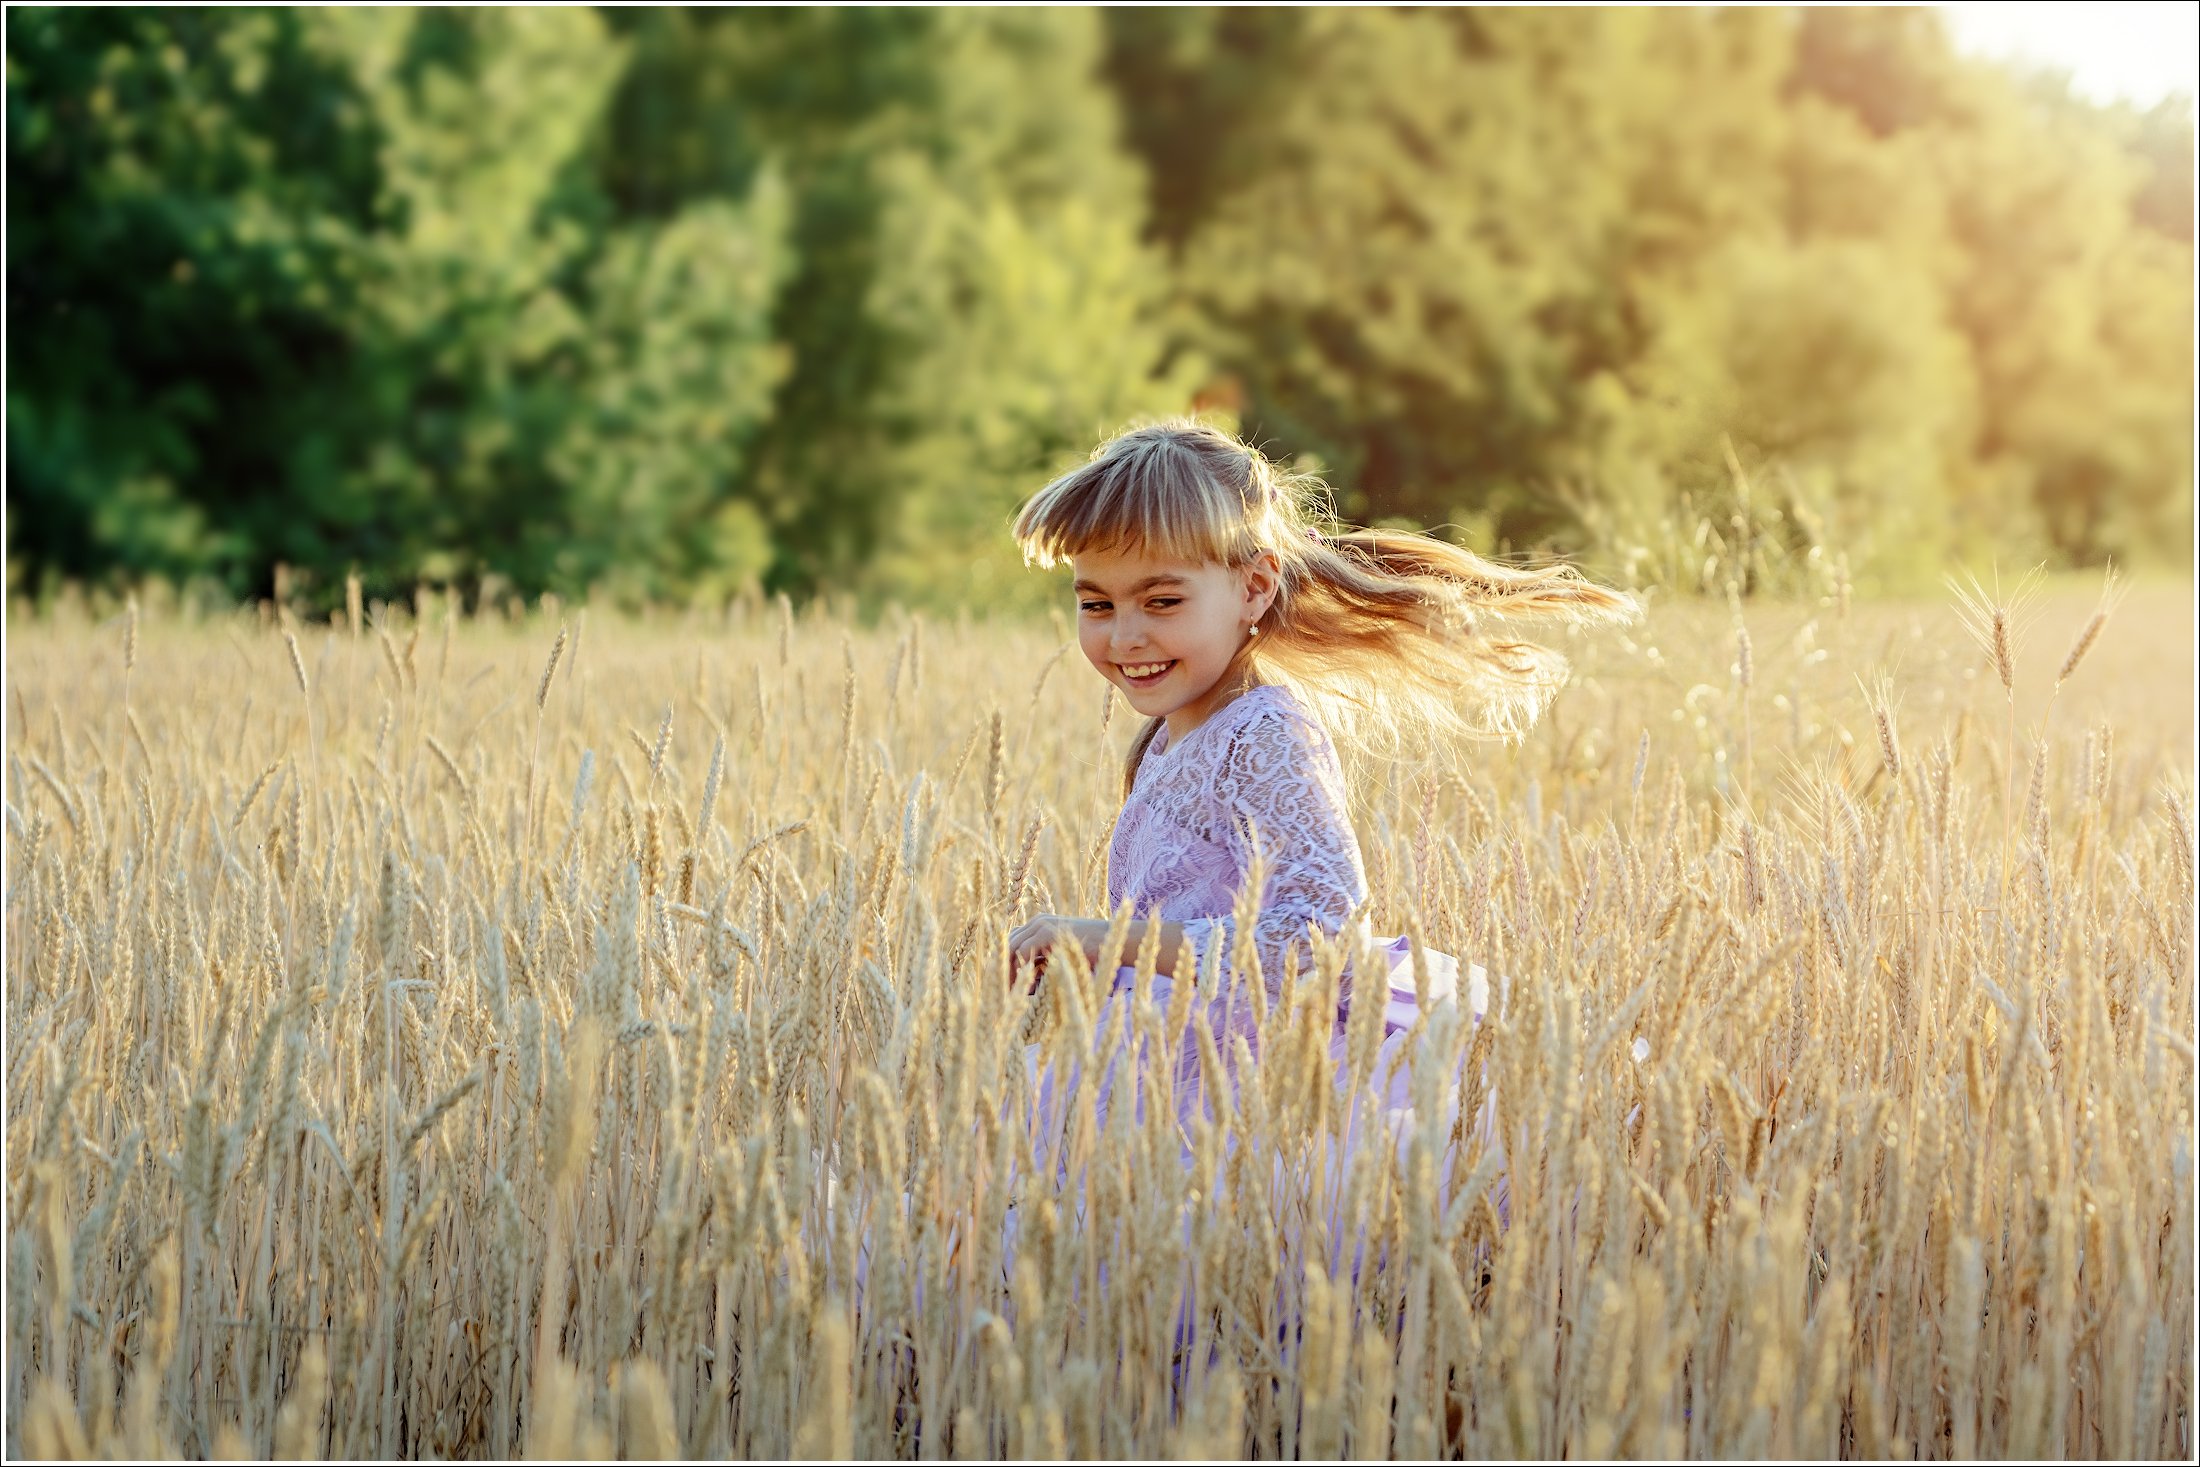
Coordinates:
x,y
1553,274
186,188
971,300
678,301
284,288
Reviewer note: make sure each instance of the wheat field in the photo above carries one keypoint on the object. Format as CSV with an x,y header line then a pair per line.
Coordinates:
x,y
441,1035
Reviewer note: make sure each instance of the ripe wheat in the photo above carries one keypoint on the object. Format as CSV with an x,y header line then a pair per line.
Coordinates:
x,y
366,1095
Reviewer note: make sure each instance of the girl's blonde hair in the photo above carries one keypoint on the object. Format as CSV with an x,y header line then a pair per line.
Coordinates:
x,y
1381,627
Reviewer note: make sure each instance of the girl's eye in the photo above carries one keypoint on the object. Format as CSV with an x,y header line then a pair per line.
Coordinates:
x,y
1157,603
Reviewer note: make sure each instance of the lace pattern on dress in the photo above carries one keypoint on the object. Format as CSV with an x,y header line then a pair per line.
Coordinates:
x,y
1183,844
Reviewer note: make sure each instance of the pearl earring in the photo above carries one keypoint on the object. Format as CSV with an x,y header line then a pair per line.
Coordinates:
x,y
1252,629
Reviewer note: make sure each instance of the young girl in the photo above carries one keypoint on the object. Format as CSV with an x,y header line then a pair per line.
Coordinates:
x,y
1208,596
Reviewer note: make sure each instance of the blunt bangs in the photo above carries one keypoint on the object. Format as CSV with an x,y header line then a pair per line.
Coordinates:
x,y
1146,490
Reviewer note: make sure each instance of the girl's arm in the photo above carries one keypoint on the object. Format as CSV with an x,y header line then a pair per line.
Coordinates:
x,y
1173,949
1048,930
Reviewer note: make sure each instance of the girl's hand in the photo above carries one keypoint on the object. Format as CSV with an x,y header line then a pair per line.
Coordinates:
x,y
1031,942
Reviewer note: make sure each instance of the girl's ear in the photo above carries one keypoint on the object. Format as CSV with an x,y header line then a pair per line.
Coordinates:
x,y
1263,576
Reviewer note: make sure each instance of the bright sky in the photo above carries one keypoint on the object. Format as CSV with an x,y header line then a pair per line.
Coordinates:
x,y
2142,52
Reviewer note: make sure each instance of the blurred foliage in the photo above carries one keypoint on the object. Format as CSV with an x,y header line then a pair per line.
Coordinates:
x,y
671,303
1543,273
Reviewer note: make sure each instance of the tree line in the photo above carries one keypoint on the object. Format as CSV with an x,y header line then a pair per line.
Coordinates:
x,y
679,302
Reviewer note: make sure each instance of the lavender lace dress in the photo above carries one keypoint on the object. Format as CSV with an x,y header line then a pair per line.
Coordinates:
x,y
1181,853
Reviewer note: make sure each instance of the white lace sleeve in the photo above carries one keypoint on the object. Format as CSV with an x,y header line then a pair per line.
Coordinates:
x,y
1278,773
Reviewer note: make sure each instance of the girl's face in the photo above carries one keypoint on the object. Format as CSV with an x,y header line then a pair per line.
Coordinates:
x,y
1164,631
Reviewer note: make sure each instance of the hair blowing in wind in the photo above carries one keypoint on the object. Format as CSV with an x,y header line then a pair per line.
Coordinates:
x,y
1389,629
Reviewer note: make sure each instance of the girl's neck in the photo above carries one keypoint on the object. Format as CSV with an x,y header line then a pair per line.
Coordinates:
x,y
1227,690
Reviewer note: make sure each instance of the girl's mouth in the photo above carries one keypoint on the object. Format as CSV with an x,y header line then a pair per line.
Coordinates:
x,y
1145,674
